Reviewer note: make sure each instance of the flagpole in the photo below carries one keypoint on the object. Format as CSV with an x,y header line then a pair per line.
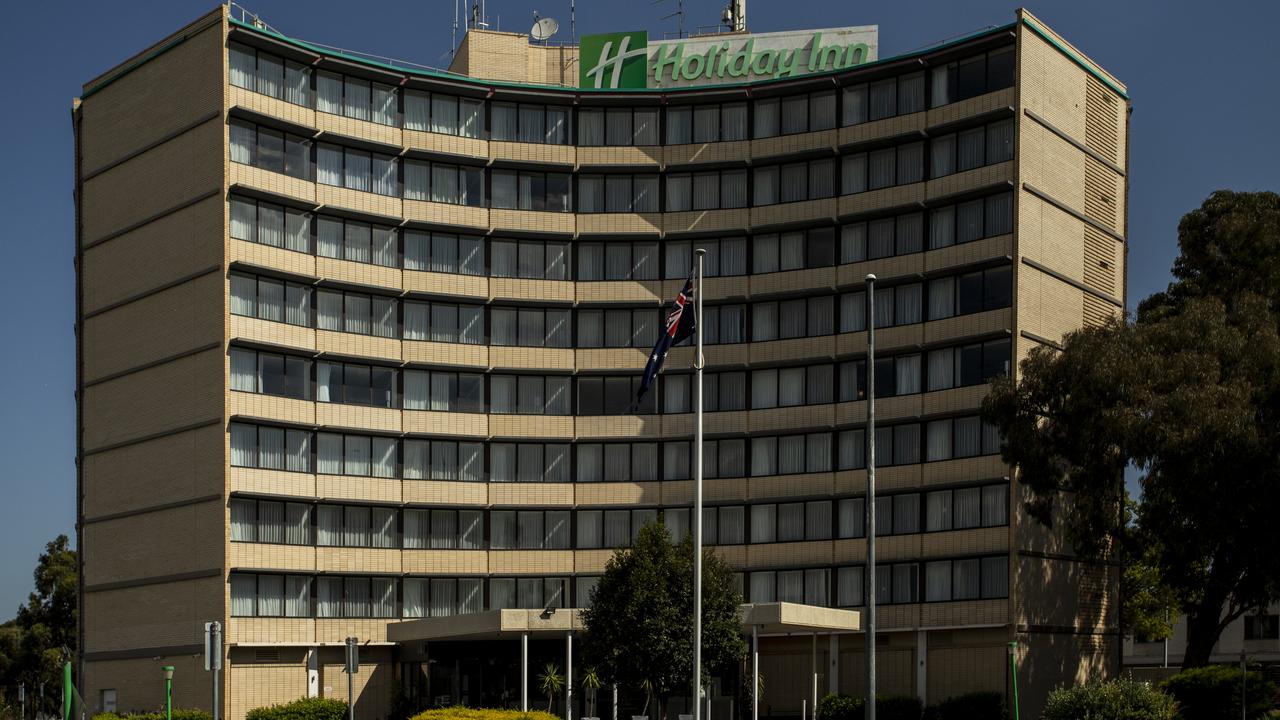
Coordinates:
x,y
697,493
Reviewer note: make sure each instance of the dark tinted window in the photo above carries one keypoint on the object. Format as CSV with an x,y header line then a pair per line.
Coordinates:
x,y
998,291
1000,69
972,79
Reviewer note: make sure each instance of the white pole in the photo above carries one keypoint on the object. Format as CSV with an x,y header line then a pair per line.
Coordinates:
x,y
615,701
871,497
697,497
568,676
813,667
524,672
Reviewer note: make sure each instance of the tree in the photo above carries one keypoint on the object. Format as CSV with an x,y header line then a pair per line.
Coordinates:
x,y
639,627
34,644
1189,393
591,684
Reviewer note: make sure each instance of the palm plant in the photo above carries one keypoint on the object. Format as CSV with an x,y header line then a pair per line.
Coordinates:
x,y
551,682
591,683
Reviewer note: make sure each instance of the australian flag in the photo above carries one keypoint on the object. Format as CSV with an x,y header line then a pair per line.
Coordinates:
x,y
682,320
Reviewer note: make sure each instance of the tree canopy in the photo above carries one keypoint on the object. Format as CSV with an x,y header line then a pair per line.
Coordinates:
x,y
1189,393
42,636
639,628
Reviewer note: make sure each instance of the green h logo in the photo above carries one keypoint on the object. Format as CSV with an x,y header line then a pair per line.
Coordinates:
x,y
613,60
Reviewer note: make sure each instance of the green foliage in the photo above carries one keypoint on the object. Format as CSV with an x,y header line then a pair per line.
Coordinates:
x,y
302,709
464,713
840,707
888,707
35,644
177,715
551,683
970,706
641,618
1187,392
1113,700
1213,692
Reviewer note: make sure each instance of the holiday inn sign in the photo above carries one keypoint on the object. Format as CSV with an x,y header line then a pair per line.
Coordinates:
x,y
627,60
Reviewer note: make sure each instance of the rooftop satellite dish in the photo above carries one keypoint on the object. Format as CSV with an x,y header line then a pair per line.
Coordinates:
x,y
544,29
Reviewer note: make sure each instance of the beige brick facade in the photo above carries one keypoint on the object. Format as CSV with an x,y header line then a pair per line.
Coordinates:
x,y
157,476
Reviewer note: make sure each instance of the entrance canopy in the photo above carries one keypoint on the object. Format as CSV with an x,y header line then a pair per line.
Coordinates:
x,y
776,618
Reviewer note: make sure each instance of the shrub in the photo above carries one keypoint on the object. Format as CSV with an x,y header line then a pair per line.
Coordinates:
x,y
970,706
1213,692
888,707
839,707
302,709
177,715
464,713
1114,700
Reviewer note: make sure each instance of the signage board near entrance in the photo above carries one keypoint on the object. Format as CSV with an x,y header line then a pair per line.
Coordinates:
x,y
628,60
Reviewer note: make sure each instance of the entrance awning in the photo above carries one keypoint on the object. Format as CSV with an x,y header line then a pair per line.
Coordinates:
x,y
776,618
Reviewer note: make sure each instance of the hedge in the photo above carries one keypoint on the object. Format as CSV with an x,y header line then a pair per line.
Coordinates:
x,y
970,706
888,707
177,715
458,712
1113,700
1213,692
302,709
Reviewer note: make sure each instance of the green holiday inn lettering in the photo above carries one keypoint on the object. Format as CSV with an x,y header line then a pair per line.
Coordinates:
x,y
626,60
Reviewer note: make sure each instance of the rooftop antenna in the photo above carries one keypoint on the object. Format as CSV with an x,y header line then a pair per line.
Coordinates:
x,y
678,14
454,37
573,20
734,16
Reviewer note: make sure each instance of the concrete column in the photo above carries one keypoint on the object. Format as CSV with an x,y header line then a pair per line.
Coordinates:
x,y
813,668
524,672
313,672
755,673
833,663
922,665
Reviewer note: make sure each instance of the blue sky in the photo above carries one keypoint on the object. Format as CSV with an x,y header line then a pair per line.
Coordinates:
x,y
1201,77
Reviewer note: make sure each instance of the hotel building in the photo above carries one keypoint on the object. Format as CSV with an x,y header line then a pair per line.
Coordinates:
x,y
357,342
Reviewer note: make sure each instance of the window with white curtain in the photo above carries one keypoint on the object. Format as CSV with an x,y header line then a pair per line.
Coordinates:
x,y
853,173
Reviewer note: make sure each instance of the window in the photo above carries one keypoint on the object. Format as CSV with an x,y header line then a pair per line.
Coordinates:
x,y
613,395
966,579
971,77
1262,626
270,374
270,149
444,183
968,364
973,292
706,190
791,454
270,224
355,384
617,193
529,395
530,259
443,391
443,252
795,114
443,322
519,190
617,126
530,123
530,327
794,182
434,112
270,299
270,595
972,148
966,508
270,75
618,328
272,448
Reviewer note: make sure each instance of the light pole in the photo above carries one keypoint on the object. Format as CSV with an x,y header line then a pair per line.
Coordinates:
x,y
871,497
168,692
